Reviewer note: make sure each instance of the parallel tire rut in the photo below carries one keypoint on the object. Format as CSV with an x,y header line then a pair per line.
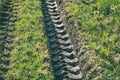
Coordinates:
x,y
7,19
65,63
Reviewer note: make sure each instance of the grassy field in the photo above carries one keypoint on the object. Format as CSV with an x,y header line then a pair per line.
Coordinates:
x,y
27,57
98,22
99,25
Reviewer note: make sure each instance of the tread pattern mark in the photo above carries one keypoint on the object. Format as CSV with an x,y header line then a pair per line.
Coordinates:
x,y
8,16
65,63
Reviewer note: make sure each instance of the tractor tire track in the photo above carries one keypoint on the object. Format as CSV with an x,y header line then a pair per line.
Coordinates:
x,y
64,61
8,16
90,69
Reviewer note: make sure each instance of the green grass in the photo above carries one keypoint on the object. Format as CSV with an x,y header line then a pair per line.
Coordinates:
x,y
27,58
99,23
